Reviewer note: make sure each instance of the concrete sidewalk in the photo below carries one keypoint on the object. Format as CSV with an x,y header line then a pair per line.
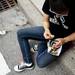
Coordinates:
x,y
10,49
33,15
11,18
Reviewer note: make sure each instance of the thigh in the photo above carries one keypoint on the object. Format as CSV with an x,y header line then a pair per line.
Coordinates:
x,y
32,33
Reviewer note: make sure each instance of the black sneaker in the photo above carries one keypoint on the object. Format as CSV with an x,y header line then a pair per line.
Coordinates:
x,y
23,66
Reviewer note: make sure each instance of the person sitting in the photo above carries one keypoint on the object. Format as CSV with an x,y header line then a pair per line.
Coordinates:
x,y
58,22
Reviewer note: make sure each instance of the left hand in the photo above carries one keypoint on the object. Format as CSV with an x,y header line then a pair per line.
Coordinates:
x,y
59,42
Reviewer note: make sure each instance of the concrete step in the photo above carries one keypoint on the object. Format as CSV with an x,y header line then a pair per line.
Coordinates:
x,y
33,15
11,18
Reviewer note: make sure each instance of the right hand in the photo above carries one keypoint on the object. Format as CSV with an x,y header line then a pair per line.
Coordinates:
x,y
48,35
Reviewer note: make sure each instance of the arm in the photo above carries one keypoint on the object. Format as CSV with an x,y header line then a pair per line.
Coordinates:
x,y
69,38
46,25
61,41
46,21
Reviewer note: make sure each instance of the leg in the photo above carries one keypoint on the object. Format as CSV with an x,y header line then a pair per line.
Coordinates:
x,y
42,46
24,35
44,58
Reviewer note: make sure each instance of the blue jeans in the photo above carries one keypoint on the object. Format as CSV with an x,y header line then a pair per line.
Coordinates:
x,y
43,57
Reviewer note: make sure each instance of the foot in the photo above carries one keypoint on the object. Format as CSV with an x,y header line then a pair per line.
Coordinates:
x,y
23,66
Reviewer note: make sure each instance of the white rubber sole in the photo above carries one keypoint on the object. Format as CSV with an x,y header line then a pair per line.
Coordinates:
x,y
17,70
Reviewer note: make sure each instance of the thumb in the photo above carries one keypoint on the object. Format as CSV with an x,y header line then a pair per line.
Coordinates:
x,y
52,36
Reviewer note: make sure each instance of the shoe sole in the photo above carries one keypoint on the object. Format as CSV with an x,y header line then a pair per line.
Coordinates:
x,y
24,69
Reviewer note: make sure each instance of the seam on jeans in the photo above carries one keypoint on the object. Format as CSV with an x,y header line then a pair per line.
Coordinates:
x,y
41,53
25,52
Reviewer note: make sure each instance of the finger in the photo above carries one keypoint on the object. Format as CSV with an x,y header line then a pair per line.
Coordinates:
x,y
57,45
47,37
52,36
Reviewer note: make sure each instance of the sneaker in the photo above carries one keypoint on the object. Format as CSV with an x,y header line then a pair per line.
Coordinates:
x,y
34,49
23,66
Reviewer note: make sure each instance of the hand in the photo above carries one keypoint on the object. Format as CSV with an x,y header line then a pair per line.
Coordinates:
x,y
59,42
48,35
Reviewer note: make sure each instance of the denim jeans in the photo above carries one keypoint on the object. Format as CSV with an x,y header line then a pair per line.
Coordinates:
x,y
43,57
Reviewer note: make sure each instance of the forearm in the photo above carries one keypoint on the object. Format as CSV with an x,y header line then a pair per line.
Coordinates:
x,y
69,38
46,25
46,22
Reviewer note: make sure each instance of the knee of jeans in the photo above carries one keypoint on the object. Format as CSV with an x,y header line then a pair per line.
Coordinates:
x,y
40,63
44,62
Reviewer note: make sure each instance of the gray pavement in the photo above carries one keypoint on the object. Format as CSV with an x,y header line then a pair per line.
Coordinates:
x,y
11,18
11,52
10,49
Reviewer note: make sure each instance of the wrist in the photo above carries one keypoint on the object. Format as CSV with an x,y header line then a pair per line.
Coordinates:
x,y
65,40
46,29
